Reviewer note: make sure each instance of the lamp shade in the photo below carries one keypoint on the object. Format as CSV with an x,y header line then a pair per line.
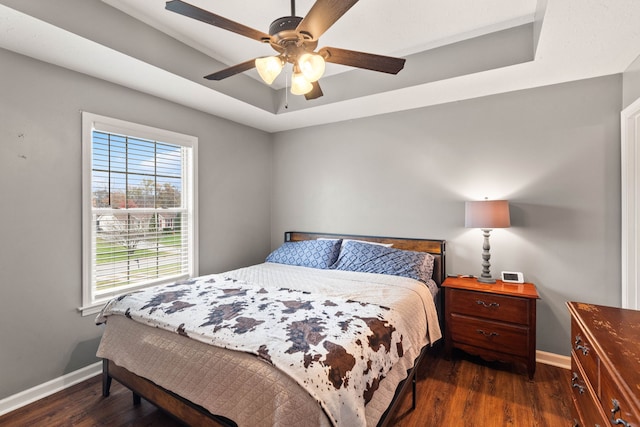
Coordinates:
x,y
312,66
299,84
487,214
269,67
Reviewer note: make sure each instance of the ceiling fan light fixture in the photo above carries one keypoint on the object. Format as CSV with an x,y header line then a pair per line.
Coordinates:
x,y
299,84
269,67
293,37
312,66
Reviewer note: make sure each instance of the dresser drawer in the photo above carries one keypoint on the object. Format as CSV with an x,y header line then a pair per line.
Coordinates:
x,y
610,393
585,401
610,337
490,306
585,355
495,336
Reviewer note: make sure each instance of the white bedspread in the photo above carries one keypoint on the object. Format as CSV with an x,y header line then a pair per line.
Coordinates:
x,y
366,287
407,305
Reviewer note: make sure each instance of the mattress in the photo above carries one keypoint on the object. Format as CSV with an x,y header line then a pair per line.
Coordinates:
x,y
245,388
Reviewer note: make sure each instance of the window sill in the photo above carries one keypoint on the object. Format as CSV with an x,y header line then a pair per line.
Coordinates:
x,y
92,309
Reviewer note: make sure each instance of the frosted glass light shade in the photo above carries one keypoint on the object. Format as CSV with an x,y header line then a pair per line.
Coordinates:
x,y
312,66
269,68
487,214
300,85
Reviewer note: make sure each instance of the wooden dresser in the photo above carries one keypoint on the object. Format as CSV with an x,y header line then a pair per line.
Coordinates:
x,y
605,365
493,321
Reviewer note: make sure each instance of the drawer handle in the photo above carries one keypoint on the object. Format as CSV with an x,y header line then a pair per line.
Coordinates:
x,y
574,383
487,334
579,347
616,408
484,304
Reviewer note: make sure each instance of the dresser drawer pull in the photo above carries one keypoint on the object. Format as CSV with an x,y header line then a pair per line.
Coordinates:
x,y
574,383
616,421
579,347
487,334
484,304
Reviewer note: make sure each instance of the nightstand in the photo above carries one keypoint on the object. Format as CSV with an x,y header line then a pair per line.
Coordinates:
x,y
494,321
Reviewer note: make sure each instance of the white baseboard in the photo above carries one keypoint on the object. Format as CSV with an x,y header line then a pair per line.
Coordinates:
x,y
23,398
553,359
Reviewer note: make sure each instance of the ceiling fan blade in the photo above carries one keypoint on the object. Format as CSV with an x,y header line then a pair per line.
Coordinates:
x,y
232,71
316,92
194,12
369,61
323,14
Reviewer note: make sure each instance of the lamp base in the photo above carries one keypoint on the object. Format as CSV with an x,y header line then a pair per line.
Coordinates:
x,y
485,277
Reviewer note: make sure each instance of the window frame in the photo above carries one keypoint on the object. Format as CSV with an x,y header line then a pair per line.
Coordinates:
x,y
91,302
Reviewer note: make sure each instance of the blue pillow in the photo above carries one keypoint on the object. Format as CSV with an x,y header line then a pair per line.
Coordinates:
x,y
365,258
307,253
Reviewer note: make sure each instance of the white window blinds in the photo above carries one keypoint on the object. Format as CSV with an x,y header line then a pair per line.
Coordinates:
x,y
140,214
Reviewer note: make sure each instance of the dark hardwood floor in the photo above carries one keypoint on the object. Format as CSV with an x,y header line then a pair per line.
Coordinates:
x,y
464,391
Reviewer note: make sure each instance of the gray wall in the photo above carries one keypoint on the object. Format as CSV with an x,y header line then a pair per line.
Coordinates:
x,y
42,335
554,152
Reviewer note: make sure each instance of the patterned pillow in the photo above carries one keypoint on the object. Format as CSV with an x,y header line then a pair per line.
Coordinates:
x,y
356,256
307,253
368,243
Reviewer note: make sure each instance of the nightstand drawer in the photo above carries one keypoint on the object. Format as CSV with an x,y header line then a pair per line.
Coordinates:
x,y
495,336
489,306
494,321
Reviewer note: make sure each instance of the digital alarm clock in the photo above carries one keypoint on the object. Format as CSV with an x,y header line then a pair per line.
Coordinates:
x,y
512,277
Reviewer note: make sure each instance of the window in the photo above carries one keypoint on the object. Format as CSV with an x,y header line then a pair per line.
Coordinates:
x,y
139,210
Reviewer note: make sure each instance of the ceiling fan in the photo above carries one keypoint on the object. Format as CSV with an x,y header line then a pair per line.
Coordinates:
x,y
295,39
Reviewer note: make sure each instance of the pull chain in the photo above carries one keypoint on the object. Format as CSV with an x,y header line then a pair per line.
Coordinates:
x,y
286,89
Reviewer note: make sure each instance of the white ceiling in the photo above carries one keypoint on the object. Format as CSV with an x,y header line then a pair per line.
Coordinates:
x,y
375,26
577,39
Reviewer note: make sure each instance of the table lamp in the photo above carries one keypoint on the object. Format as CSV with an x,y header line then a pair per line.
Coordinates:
x,y
486,215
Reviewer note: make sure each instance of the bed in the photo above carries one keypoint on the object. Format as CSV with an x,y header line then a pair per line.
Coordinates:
x,y
315,336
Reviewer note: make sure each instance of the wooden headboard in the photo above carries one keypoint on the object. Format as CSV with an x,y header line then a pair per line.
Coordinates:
x,y
433,246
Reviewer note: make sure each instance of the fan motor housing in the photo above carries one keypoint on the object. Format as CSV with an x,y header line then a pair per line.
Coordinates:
x,y
286,23
286,40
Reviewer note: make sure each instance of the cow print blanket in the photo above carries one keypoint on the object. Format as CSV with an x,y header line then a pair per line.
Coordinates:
x,y
338,350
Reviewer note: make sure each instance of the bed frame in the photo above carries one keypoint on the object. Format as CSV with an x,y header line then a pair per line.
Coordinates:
x,y
433,246
195,415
